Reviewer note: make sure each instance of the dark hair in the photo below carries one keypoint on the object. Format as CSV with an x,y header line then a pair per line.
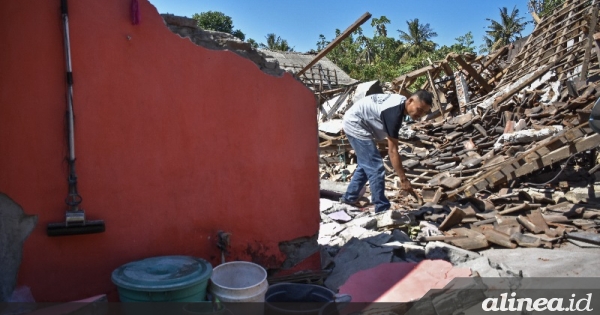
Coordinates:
x,y
424,96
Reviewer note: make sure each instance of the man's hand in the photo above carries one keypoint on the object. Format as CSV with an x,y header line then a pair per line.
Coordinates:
x,y
406,186
397,164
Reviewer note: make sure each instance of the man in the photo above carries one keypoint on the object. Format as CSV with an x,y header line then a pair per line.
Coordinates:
x,y
374,118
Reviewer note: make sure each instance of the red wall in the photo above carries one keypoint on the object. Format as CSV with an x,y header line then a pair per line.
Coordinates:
x,y
174,142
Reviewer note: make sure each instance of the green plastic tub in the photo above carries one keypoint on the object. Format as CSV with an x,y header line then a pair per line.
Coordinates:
x,y
163,279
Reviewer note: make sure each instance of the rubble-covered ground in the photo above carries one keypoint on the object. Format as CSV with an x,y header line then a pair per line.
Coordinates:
x,y
506,166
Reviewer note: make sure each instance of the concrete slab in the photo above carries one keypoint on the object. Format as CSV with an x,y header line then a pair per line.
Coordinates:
x,y
340,216
325,204
330,229
377,239
352,231
356,255
453,254
400,236
568,261
480,266
364,222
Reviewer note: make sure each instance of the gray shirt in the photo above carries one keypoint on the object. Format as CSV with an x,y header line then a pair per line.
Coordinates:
x,y
376,117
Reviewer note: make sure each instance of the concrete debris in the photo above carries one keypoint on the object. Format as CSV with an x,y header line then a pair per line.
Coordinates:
x,y
506,144
453,254
570,261
188,28
529,135
333,126
366,222
340,216
325,204
354,256
407,133
503,166
297,250
481,267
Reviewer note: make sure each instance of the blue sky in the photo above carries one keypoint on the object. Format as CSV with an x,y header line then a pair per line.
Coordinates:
x,y
301,22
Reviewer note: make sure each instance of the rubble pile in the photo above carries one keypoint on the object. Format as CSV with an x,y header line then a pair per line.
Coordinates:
x,y
505,159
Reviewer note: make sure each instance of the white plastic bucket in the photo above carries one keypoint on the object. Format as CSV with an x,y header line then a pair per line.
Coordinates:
x,y
239,281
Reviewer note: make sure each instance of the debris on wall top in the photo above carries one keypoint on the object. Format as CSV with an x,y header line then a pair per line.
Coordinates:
x,y
187,28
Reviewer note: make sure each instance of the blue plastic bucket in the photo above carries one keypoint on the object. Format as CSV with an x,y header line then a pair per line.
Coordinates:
x,y
163,279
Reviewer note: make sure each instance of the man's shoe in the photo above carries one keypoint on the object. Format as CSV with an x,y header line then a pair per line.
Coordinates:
x,y
342,200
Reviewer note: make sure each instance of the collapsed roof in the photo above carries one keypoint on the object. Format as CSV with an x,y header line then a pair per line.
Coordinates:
x,y
507,148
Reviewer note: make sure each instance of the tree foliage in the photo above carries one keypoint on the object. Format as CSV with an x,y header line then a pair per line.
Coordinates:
x,y
252,43
275,42
418,38
504,31
380,57
217,21
543,7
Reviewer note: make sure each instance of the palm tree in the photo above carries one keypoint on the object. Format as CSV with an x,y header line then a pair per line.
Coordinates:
x,y
275,42
543,7
418,37
507,30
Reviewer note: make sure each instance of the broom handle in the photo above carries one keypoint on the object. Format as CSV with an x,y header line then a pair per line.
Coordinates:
x,y
65,19
73,199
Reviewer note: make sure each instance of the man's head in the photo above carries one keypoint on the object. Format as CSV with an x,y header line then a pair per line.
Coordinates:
x,y
418,104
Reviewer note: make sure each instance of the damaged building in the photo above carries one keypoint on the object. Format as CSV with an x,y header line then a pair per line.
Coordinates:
x,y
191,142
505,160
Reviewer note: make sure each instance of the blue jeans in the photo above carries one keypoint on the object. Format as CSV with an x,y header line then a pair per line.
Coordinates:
x,y
370,168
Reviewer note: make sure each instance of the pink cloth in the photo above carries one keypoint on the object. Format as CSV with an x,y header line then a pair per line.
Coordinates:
x,y
400,282
135,12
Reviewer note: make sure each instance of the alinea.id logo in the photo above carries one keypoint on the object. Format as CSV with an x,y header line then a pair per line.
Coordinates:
x,y
512,304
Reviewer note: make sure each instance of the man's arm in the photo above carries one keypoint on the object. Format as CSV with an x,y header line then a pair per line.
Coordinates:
x,y
397,164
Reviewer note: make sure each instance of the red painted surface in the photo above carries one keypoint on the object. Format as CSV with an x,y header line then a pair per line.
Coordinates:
x,y
401,282
174,142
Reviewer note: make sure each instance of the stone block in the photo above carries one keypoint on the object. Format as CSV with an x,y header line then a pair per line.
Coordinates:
x,y
400,236
364,222
481,265
352,232
453,254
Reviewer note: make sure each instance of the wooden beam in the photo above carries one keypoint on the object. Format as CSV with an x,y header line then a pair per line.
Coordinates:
x,y
436,97
521,86
536,18
412,74
493,58
405,92
589,44
596,39
336,42
472,72
332,91
337,104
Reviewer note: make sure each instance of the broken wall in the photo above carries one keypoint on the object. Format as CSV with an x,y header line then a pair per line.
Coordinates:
x,y
174,142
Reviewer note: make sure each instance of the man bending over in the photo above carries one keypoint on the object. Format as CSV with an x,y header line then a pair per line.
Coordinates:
x,y
374,118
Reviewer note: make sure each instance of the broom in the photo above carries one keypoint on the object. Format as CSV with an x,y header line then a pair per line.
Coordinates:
x,y
75,222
